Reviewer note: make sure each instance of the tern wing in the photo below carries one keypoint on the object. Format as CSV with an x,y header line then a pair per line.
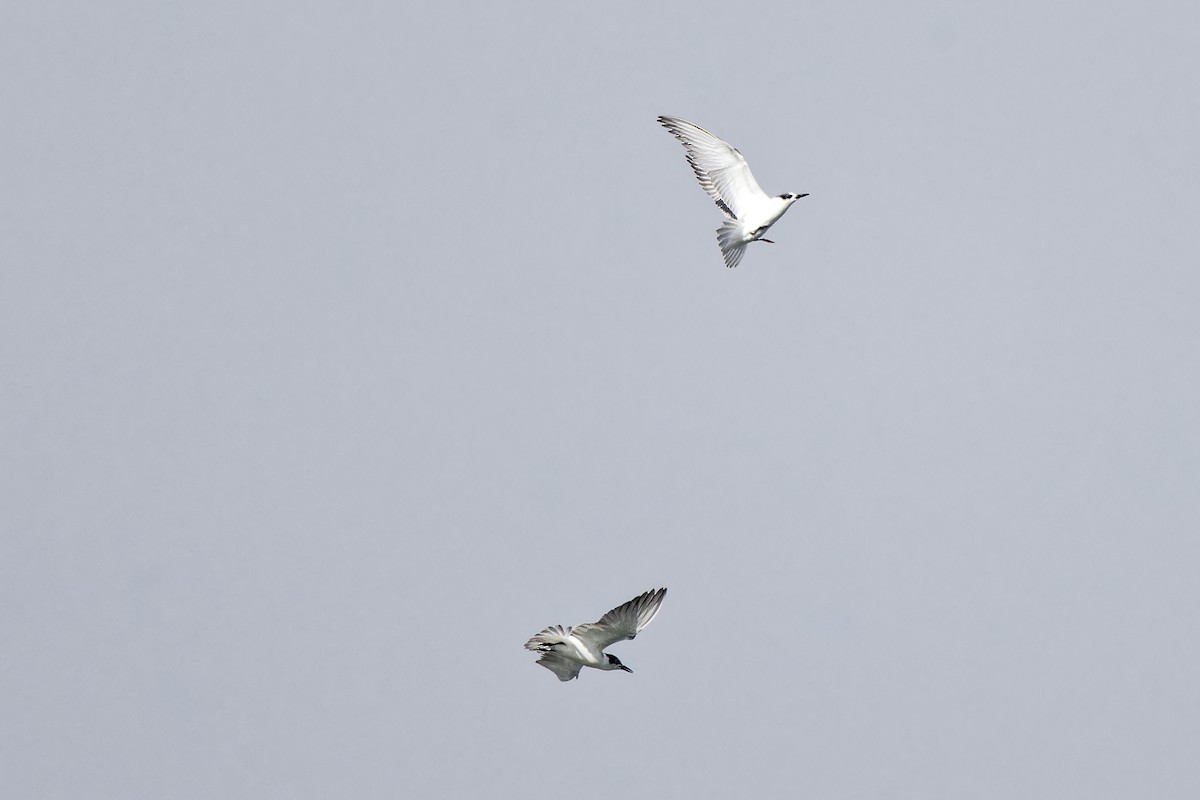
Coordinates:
x,y
623,622
563,667
548,637
720,168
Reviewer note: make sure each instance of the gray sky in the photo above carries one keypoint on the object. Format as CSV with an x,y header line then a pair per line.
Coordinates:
x,y
345,346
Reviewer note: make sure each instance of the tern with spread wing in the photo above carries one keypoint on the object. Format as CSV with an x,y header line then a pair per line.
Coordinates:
x,y
564,651
725,175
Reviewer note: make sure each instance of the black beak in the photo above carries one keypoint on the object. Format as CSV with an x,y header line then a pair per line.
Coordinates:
x,y
627,669
801,195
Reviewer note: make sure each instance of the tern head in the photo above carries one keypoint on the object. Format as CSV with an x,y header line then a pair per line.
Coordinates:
x,y
615,663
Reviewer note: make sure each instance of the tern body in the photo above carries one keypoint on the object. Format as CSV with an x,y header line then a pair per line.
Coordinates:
x,y
564,651
724,174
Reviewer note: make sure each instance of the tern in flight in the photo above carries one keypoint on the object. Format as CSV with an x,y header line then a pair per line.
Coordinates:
x,y
725,175
564,651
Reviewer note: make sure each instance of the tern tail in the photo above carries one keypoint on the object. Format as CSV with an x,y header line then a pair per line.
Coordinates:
x,y
732,241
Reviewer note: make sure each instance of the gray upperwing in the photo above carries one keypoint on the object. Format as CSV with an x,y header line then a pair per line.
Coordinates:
x,y
624,621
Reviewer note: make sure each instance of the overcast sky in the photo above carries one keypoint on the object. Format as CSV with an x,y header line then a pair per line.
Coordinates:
x,y
344,346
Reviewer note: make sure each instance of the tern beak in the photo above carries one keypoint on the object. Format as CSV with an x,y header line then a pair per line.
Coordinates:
x,y
627,669
801,195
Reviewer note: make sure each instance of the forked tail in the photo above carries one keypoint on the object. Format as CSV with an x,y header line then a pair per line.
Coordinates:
x,y
732,242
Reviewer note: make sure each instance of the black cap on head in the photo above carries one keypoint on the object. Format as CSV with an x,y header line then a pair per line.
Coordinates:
x,y
616,662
